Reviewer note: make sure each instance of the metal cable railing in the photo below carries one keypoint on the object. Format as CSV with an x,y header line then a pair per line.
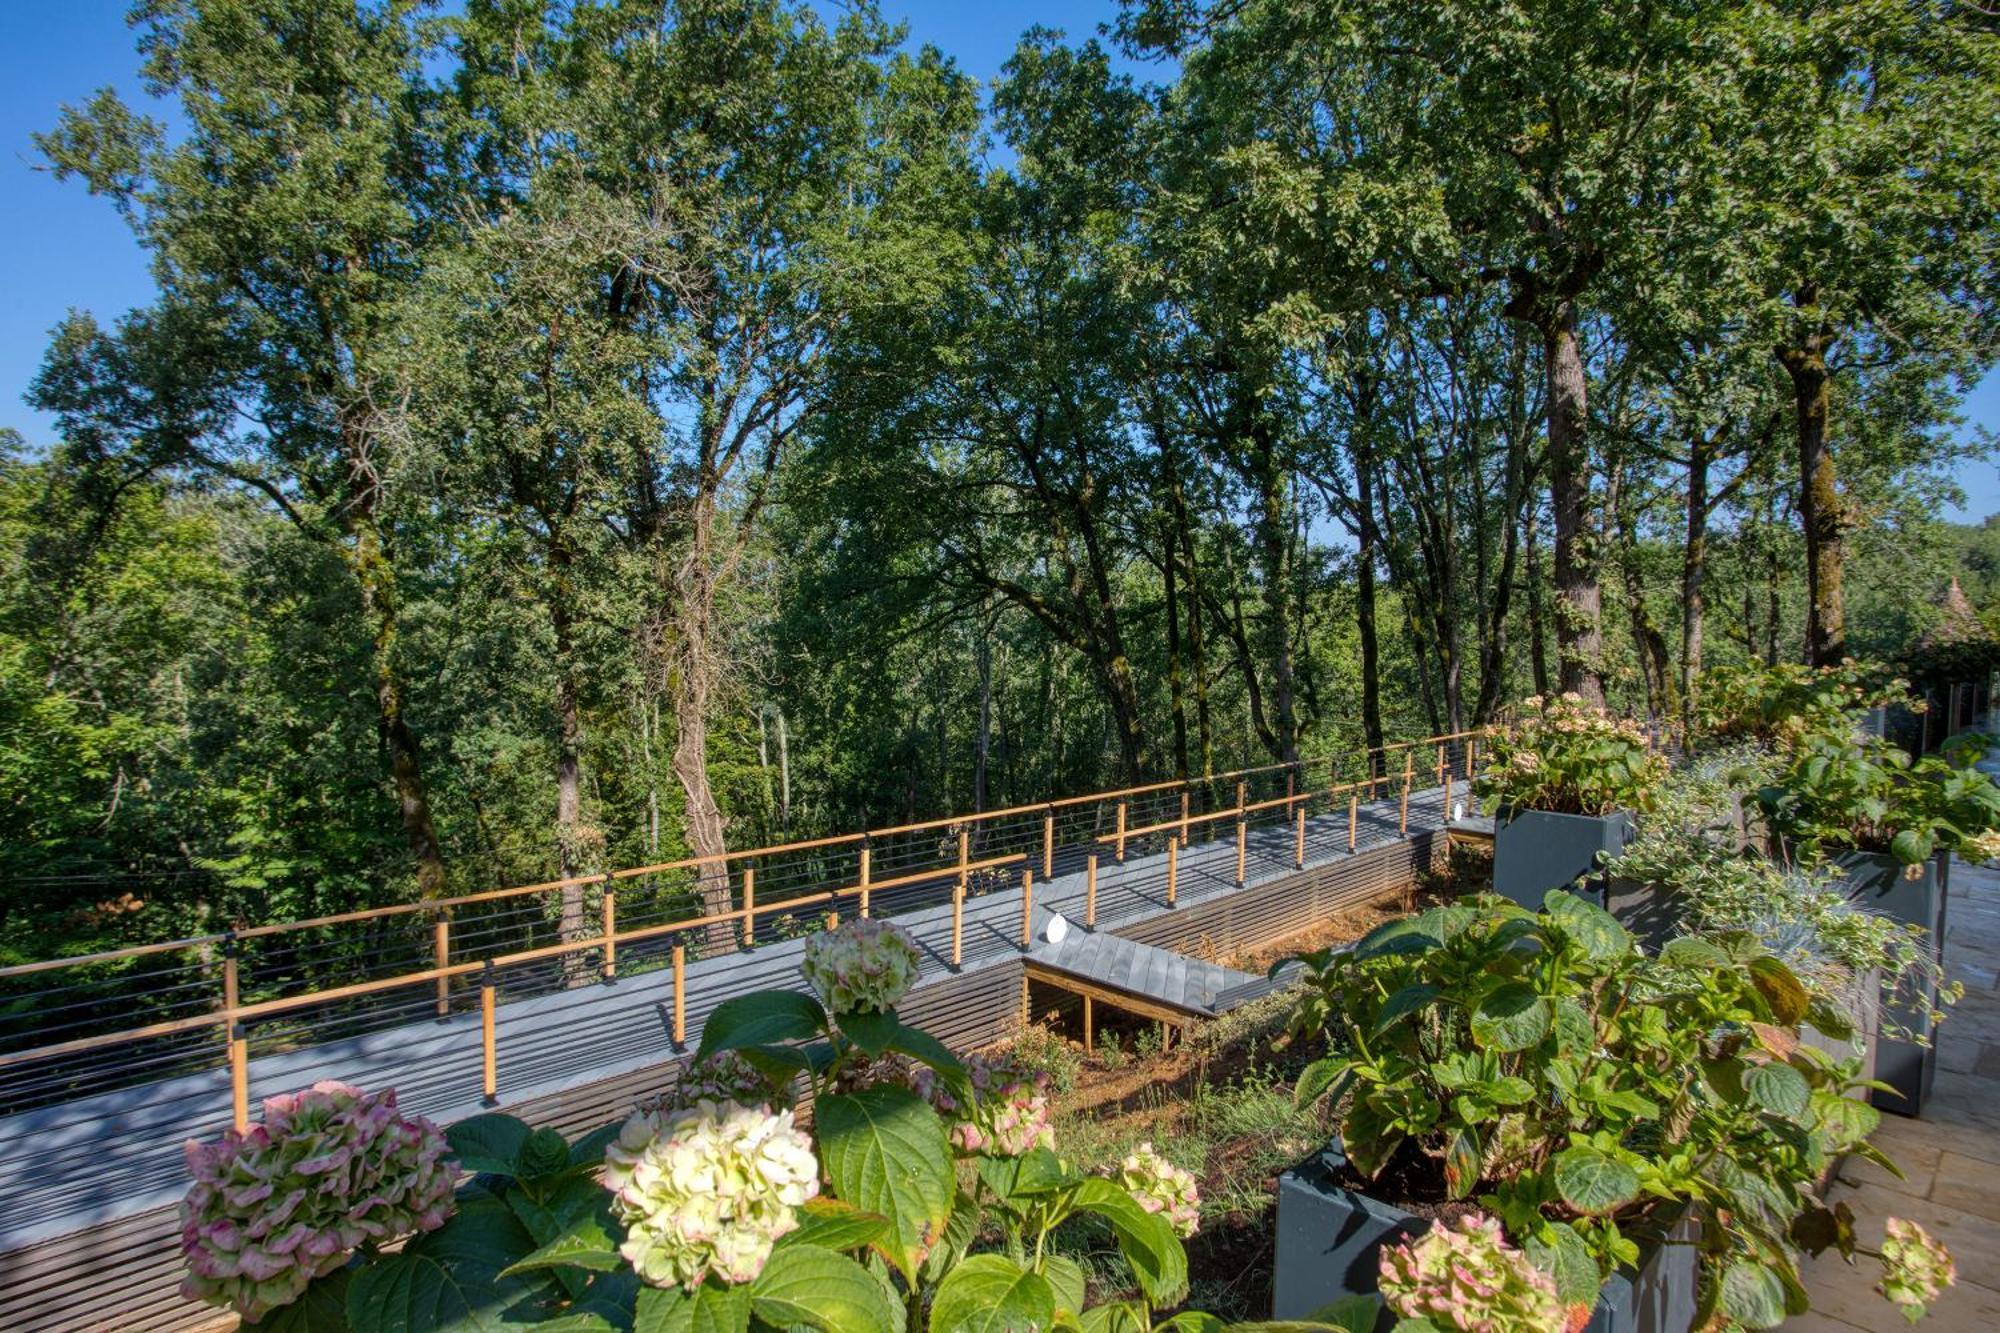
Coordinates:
x,y
71,1027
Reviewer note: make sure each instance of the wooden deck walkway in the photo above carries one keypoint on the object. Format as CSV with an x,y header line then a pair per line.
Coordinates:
x,y
80,1164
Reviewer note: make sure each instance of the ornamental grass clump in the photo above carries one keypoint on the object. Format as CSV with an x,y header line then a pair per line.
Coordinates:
x,y
708,1189
1162,1187
863,967
327,1171
1465,1277
1009,1114
1916,1268
1565,757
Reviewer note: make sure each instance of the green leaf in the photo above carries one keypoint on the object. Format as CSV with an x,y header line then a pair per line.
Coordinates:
x,y
805,1284
885,1151
449,1281
1511,1017
321,1308
1065,1275
1035,1172
760,1019
872,1032
1408,1000
1781,990
586,1242
1844,1121
1779,1089
490,1143
1594,1182
544,1153
1911,847
1753,1295
709,1308
834,1225
1461,1163
1564,1255
1589,926
1355,1313
1317,1077
1693,951
991,1294
1130,1317
1147,1240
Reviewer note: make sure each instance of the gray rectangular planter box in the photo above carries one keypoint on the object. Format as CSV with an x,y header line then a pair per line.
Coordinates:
x,y
1535,851
1878,882
1330,1243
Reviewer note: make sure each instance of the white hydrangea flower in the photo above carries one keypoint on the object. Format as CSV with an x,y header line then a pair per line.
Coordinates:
x,y
708,1189
1162,1187
864,966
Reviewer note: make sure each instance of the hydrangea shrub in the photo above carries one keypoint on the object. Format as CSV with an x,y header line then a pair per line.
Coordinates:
x,y
863,967
1916,1268
1162,1187
708,1189
1464,1276
724,1076
326,1171
1009,1114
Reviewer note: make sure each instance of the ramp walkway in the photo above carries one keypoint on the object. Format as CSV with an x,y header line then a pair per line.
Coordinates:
x,y
83,1163
1141,978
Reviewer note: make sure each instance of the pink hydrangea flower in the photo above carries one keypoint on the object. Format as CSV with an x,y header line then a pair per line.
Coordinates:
x,y
1466,1278
326,1171
1010,1108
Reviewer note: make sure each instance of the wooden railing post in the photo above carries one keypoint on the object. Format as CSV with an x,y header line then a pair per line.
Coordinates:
x,y
1242,847
1090,891
1121,832
1409,771
1353,817
1447,796
1027,906
1442,766
239,1042
958,899
680,996
1184,816
441,958
1173,867
239,1076
1471,750
864,876
1299,841
749,907
610,906
1049,843
489,1055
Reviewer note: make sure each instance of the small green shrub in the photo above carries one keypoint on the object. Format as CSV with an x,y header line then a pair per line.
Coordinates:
x,y
1567,757
1039,1050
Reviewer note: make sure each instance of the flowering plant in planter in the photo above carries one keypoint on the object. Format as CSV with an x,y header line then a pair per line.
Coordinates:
x,y
720,1211
1803,914
1566,757
1838,790
1588,1097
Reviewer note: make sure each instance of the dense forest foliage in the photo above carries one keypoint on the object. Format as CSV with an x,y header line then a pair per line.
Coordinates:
x,y
582,434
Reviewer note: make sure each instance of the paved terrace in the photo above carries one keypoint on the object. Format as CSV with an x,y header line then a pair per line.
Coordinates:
x,y
1950,1156
86,1162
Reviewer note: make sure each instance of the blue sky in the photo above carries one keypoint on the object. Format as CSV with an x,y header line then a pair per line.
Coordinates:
x,y
67,250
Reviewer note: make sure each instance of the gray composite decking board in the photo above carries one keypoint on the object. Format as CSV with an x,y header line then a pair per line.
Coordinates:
x,y
85,1163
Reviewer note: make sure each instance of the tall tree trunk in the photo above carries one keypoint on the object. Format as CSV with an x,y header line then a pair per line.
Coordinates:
x,y
1273,531
691,681
1176,679
376,578
1820,509
1694,571
983,746
1366,539
1579,599
572,838
1538,623
1196,647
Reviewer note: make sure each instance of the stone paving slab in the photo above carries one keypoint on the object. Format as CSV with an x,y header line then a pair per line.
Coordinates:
x,y
1950,1157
